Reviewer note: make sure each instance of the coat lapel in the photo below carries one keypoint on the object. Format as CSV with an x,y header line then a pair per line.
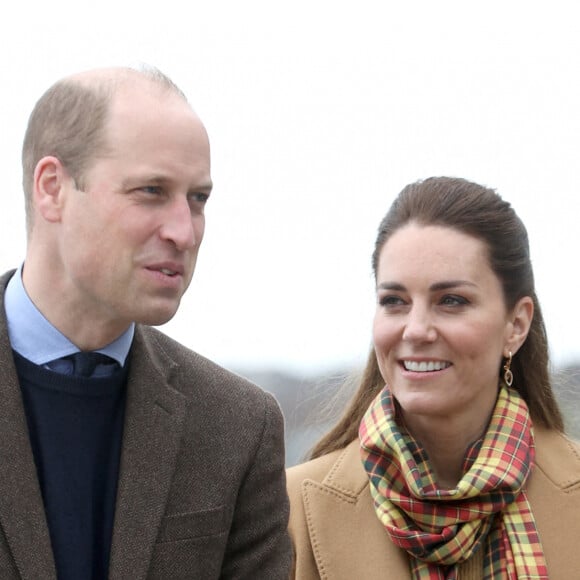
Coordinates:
x,y
22,515
153,424
344,531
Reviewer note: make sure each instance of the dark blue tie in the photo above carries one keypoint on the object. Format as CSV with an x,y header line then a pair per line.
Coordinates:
x,y
85,363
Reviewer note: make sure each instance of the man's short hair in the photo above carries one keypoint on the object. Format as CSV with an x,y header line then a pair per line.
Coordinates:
x,y
69,121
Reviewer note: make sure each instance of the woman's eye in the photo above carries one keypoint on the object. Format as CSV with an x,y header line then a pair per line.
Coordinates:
x,y
391,300
452,300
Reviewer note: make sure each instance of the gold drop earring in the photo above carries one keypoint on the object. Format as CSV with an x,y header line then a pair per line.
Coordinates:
x,y
508,376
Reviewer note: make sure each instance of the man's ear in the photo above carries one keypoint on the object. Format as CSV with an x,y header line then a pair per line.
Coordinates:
x,y
520,321
49,188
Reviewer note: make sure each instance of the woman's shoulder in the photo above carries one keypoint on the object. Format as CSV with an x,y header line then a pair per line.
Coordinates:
x,y
553,491
340,471
558,457
314,469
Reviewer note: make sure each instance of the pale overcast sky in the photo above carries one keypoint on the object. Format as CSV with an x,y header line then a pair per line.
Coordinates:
x,y
318,114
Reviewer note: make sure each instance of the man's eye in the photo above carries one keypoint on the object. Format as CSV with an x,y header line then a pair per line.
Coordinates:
x,y
152,189
199,197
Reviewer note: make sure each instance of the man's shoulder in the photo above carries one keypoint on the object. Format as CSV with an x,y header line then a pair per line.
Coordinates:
x,y
155,340
4,279
195,371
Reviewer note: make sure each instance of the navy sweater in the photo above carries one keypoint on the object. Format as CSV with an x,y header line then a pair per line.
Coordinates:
x,y
76,428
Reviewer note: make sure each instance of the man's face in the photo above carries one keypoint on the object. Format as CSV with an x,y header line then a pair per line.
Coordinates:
x,y
129,241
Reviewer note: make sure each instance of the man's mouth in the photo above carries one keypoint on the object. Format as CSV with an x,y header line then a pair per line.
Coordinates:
x,y
168,272
167,268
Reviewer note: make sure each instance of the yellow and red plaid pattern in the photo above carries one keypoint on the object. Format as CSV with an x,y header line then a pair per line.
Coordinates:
x,y
488,508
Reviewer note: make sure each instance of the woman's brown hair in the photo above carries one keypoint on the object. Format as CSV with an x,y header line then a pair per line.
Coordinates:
x,y
480,212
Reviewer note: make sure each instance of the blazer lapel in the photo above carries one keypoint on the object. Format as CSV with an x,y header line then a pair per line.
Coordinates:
x,y
22,515
344,530
153,424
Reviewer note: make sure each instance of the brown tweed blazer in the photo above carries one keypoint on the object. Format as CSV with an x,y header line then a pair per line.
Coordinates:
x,y
337,535
201,489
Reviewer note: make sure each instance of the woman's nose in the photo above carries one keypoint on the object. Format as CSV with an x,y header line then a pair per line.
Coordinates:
x,y
419,326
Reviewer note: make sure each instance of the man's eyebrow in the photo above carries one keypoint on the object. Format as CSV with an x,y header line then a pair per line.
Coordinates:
x,y
151,179
160,179
204,187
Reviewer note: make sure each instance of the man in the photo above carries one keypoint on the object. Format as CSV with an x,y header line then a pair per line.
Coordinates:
x,y
151,462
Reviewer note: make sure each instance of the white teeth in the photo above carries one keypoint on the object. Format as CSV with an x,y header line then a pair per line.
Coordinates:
x,y
425,367
167,272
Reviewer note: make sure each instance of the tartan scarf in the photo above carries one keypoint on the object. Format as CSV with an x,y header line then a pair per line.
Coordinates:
x,y
487,510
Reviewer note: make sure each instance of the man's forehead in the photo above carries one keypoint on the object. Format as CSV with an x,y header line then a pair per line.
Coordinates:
x,y
122,83
139,109
107,75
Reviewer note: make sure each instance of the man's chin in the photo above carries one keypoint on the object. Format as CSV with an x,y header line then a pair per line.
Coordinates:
x,y
157,316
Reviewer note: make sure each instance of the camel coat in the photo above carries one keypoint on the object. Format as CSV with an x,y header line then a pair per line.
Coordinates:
x,y
337,535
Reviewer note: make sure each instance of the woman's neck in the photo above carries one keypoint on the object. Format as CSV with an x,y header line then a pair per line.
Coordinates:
x,y
446,441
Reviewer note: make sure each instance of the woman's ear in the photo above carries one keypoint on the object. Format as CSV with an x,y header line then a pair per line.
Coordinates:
x,y
49,186
519,325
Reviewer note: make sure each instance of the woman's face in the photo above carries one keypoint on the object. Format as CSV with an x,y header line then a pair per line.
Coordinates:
x,y
441,325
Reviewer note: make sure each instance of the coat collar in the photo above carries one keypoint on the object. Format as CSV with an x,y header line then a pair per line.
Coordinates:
x,y
348,540
344,530
154,418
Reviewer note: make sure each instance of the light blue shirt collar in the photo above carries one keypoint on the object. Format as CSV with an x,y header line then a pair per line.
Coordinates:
x,y
35,338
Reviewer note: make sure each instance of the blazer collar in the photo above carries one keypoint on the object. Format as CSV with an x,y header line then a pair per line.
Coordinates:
x,y
154,419
344,530
22,516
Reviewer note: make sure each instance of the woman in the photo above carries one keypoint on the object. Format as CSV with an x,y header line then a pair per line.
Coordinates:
x,y
450,462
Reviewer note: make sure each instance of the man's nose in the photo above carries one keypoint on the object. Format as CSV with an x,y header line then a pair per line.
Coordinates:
x,y
179,225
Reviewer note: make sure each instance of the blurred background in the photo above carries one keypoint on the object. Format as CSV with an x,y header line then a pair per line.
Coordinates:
x,y
319,112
